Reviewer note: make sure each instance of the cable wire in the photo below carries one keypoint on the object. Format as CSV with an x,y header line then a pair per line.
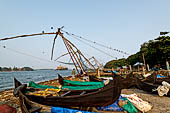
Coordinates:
x,y
95,48
70,34
26,54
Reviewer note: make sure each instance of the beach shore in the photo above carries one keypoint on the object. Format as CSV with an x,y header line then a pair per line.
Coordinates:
x,y
160,104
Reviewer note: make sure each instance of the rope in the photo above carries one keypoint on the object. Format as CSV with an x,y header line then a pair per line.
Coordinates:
x,y
65,63
70,34
26,54
95,48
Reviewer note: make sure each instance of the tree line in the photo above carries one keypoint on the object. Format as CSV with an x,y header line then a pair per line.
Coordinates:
x,y
15,69
156,52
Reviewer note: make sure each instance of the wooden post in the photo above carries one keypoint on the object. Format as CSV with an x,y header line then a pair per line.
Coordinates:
x,y
148,67
130,67
98,72
144,60
167,65
71,56
143,70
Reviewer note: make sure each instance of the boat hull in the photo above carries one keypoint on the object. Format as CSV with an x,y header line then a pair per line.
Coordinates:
x,y
101,97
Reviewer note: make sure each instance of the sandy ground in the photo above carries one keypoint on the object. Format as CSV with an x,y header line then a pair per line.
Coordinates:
x,y
160,104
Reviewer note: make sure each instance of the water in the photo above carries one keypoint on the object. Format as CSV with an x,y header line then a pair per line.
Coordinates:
x,y
7,78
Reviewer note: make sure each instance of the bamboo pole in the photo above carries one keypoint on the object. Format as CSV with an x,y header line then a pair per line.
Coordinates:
x,y
79,52
19,36
71,57
53,45
73,52
81,65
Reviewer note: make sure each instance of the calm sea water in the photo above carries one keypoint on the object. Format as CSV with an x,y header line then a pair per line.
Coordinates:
x,y
7,78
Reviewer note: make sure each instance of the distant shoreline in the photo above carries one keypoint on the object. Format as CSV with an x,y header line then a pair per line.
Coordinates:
x,y
16,71
8,69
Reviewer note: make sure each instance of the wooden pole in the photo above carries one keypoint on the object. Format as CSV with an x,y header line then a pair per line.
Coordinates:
x,y
71,56
54,44
20,36
72,51
148,67
144,61
167,65
130,67
143,70
79,52
99,73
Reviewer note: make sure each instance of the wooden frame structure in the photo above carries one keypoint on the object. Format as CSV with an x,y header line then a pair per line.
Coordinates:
x,y
69,46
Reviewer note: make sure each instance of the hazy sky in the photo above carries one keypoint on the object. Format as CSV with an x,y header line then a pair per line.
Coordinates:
x,y
120,24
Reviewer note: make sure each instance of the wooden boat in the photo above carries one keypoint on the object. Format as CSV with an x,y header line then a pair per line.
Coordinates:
x,y
17,83
133,81
32,89
100,97
78,83
61,68
146,86
141,84
60,79
26,105
155,80
129,81
94,79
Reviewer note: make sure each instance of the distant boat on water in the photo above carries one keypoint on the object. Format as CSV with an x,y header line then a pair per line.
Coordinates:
x,y
62,68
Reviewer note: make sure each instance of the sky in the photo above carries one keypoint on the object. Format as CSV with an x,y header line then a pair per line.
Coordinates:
x,y
120,24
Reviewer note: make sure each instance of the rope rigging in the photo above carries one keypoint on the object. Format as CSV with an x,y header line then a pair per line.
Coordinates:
x,y
73,54
26,54
65,63
67,43
73,51
73,35
95,48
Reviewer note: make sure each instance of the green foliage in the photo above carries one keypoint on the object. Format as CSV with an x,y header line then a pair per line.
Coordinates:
x,y
116,63
6,69
155,51
26,69
163,33
15,69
